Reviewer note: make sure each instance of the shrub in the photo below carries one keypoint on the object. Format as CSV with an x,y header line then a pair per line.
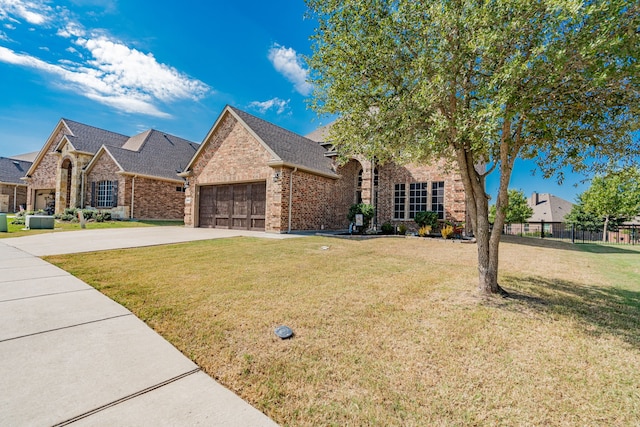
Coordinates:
x,y
366,210
69,211
447,231
89,214
424,231
387,228
427,218
402,229
67,217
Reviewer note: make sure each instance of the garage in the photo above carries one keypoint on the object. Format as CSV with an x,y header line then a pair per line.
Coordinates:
x,y
237,206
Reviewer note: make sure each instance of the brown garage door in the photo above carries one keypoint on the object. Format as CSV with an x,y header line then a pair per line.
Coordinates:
x,y
239,206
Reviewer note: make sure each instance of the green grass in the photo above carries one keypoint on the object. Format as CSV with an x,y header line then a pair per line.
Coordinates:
x,y
390,331
17,230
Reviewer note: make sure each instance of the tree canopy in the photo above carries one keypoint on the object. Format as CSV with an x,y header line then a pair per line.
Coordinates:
x,y
517,211
480,83
611,199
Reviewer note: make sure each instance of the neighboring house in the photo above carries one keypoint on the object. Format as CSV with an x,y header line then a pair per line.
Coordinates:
x,y
13,190
132,177
251,174
549,211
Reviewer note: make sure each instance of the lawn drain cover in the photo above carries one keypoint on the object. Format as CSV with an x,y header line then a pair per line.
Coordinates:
x,y
284,332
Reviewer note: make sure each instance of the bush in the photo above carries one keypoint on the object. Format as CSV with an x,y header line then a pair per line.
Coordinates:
x,y
427,218
424,231
69,211
89,214
366,210
402,229
67,217
387,228
447,231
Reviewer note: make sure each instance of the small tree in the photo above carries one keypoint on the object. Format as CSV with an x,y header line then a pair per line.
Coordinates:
x,y
613,197
517,210
583,220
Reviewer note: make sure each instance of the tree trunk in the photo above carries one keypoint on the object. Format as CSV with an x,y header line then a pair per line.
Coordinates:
x,y
487,241
604,229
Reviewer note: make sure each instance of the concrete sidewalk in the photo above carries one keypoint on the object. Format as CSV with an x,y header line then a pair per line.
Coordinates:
x,y
68,354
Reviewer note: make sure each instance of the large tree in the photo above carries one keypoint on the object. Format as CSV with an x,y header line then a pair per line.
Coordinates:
x,y
612,197
480,83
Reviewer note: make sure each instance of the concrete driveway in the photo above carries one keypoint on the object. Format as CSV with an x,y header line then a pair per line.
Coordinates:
x,y
69,242
70,355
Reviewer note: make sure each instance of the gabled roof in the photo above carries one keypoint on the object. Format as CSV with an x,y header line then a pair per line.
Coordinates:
x,y
83,137
286,147
27,157
89,139
11,170
548,208
152,154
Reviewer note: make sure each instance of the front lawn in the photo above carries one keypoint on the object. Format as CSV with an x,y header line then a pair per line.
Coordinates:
x,y
390,331
17,230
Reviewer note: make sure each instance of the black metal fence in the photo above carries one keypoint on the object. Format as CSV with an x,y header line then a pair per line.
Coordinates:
x,y
624,234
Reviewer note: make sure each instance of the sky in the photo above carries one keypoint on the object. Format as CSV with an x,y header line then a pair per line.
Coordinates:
x,y
128,66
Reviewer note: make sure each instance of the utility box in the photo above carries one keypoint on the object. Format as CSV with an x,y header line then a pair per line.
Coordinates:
x,y
39,222
3,222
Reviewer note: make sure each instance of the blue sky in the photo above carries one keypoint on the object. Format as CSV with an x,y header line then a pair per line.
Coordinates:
x,y
127,66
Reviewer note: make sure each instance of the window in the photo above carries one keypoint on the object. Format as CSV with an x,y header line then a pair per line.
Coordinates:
x,y
437,198
417,198
104,194
399,195
359,188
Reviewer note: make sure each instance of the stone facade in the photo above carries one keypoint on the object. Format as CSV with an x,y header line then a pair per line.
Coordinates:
x,y
44,176
60,172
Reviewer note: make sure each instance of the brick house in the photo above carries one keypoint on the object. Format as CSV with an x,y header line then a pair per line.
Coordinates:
x,y
13,190
251,174
132,177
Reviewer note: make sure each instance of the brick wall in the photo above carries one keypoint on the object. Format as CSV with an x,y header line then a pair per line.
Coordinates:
x,y
105,169
153,199
232,154
391,174
20,193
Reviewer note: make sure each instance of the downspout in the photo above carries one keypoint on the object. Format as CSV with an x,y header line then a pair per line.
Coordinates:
x,y
82,177
133,192
291,196
15,194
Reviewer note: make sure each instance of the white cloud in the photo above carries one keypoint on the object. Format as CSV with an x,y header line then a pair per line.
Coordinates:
x,y
278,104
112,73
10,26
288,63
35,12
132,82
